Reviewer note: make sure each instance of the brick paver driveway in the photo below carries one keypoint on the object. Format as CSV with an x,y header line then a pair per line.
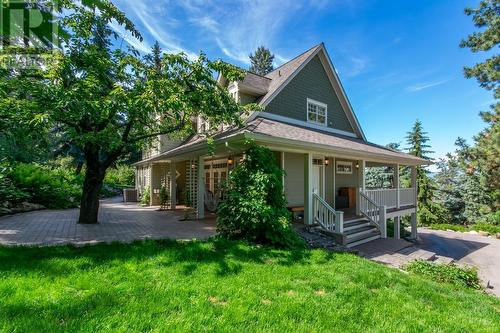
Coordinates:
x,y
118,222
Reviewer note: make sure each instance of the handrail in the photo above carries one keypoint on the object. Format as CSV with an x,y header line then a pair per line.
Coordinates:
x,y
374,212
326,216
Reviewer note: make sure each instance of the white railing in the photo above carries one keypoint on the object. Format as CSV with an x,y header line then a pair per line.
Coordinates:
x,y
389,197
326,216
374,212
407,197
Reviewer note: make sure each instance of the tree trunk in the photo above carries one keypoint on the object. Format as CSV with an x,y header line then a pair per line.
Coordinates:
x,y
89,206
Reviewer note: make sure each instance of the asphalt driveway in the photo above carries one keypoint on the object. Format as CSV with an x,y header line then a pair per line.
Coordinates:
x,y
473,250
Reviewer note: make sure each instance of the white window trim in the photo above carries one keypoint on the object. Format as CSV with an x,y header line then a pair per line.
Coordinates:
x,y
317,103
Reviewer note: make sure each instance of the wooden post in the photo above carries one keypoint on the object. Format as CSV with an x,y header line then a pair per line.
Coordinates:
x,y
334,170
151,192
308,213
200,188
383,221
361,185
414,184
173,185
397,185
282,157
339,221
397,228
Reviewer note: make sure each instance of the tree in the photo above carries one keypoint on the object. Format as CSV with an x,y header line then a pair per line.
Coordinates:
x,y
254,207
417,144
261,61
485,166
111,102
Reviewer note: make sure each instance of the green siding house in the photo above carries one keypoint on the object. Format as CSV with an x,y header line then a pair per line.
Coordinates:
x,y
308,122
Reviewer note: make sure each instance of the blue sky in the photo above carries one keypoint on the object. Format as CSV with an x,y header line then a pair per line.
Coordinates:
x,y
398,60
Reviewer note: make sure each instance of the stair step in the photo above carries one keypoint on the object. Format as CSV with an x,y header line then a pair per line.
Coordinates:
x,y
443,260
359,231
355,225
356,219
363,240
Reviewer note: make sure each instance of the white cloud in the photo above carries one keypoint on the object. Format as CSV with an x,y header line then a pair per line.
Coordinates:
x,y
422,86
238,28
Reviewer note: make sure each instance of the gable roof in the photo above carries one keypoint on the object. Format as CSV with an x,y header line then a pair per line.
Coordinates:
x,y
282,75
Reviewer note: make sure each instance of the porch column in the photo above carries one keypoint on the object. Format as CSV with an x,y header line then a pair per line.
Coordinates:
x,y
308,213
200,191
151,192
282,162
173,185
397,185
414,185
397,228
361,185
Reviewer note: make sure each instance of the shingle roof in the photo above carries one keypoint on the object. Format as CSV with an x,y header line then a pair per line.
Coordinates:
x,y
300,136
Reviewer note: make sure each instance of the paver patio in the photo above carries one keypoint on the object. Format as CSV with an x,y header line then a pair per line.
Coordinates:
x,y
118,222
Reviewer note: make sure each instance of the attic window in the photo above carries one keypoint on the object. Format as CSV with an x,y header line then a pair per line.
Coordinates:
x,y
316,112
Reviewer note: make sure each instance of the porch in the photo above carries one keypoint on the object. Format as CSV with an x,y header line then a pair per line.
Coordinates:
x,y
328,192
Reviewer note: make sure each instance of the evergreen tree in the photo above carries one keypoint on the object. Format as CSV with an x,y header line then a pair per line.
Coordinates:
x,y
484,168
261,61
428,210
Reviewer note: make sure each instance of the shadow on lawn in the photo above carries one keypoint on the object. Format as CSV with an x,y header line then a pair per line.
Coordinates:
x,y
229,255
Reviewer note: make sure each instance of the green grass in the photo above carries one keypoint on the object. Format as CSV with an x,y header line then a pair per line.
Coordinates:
x,y
225,287
489,228
451,273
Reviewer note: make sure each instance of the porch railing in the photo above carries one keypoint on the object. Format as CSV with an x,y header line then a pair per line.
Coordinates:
x,y
374,212
407,197
389,197
326,216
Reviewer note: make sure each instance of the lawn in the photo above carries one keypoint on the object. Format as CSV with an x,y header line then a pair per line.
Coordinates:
x,y
225,286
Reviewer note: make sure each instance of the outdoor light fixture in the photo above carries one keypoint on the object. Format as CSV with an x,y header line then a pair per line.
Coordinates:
x,y
327,161
357,165
230,160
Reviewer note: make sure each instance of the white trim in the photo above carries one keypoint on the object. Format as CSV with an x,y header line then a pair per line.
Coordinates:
x,y
302,123
350,110
320,104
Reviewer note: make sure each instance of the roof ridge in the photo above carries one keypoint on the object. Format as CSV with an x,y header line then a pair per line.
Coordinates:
x,y
294,58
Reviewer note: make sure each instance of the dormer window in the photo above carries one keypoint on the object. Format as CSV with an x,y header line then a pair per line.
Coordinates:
x,y
316,112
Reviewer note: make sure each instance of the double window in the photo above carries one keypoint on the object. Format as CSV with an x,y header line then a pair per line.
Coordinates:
x,y
316,112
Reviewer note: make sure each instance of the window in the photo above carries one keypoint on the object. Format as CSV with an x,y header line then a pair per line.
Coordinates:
x,y
316,112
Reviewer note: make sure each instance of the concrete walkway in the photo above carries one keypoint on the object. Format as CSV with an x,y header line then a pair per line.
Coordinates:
x,y
118,222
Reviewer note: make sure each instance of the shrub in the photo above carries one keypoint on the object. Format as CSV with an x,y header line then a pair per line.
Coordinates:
x,y
449,273
254,207
9,194
52,188
146,196
120,176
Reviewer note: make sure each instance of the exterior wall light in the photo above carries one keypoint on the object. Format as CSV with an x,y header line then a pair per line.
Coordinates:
x,y
357,165
230,161
327,161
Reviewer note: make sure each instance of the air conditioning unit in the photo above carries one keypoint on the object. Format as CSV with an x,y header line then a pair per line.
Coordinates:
x,y
130,195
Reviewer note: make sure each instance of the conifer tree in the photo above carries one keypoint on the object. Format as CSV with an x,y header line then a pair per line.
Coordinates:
x,y
261,61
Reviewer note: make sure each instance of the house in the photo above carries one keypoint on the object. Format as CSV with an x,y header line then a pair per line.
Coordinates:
x,y
308,122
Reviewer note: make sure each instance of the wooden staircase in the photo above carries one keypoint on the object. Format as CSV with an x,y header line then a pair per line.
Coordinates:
x,y
359,231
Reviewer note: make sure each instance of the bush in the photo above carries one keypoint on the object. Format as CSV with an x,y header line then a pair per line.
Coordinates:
x,y
449,273
254,207
146,196
120,176
489,228
52,188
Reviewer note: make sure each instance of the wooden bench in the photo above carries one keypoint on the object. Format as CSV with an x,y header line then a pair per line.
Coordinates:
x,y
295,210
